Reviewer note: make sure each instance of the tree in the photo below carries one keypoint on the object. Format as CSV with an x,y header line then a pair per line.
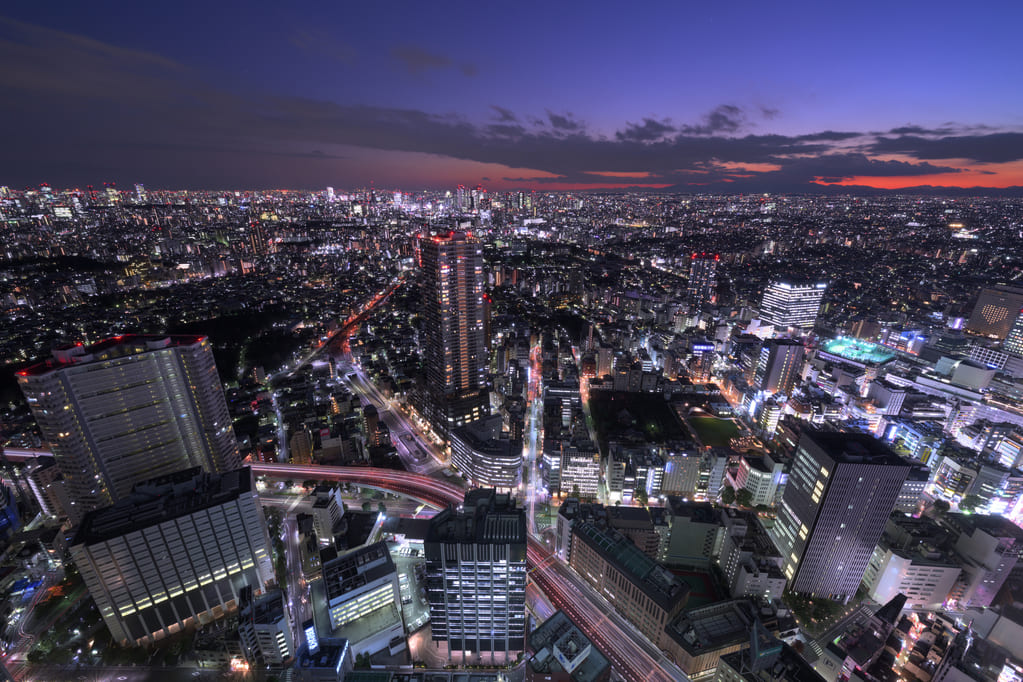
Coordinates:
x,y
941,506
970,503
743,497
575,490
382,508
367,506
728,495
640,495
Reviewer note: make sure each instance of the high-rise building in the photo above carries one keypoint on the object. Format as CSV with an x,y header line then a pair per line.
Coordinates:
x,y
841,491
996,310
703,268
455,350
1014,340
177,552
128,409
780,363
476,574
792,304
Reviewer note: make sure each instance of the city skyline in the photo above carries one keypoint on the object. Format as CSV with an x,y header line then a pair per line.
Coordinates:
x,y
740,99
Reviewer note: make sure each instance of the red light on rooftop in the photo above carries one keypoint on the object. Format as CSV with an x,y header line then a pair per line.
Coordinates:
x,y
22,374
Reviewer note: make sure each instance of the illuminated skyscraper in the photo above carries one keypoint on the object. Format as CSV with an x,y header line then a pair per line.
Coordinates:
x,y
788,304
476,574
1014,341
841,491
996,310
780,363
128,409
703,268
453,330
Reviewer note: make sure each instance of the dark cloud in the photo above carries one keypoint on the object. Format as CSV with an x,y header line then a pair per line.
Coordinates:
x,y
769,113
992,148
565,123
504,115
727,118
140,115
648,131
418,61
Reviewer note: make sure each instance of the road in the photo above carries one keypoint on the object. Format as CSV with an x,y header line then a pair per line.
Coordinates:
x,y
628,650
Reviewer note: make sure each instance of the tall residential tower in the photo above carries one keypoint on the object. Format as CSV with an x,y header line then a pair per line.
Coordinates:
x,y
128,409
792,304
455,347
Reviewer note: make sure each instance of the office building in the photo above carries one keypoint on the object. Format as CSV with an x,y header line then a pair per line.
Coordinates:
x,y
176,552
996,312
840,493
792,304
910,560
363,597
694,536
1014,339
562,653
748,558
485,456
642,590
454,348
327,511
761,476
767,659
47,485
264,628
703,281
476,575
129,409
329,660
779,367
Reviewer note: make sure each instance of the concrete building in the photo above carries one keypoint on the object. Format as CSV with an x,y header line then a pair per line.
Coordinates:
x,y
476,575
748,558
264,627
996,311
988,548
779,366
486,457
909,560
327,511
176,552
695,533
700,289
562,653
642,590
792,304
128,409
840,493
761,476
363,598
47,485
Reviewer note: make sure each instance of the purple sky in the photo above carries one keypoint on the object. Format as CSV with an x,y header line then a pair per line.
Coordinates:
x,y
739,96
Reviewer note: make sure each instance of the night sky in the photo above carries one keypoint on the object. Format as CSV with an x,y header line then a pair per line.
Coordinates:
x,y
696,96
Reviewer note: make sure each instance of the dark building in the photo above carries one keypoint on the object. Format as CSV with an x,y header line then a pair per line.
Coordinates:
x,y
841,491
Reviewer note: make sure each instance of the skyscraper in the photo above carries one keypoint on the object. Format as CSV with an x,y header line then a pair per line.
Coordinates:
x,y
791,304
455,350
779,365
476,574
841,491
703,268
996,310
128,409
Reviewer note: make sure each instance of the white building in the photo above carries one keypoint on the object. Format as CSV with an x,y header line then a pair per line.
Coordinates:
x,y
177,552
264,628
128,409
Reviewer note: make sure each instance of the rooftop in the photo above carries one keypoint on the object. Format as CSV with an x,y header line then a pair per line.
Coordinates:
x,y
115,346
355,569
657,582
853,448
858,351
161,499
574,650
